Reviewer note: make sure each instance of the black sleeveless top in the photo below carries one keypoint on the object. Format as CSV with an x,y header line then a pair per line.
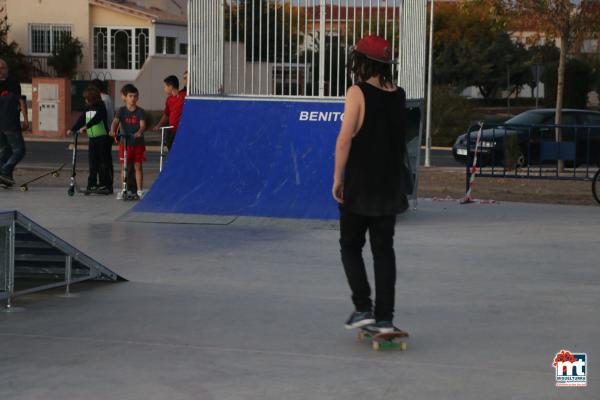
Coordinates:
x,y
374,178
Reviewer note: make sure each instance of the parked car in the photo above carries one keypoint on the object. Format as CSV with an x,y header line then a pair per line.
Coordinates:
x,y
527,139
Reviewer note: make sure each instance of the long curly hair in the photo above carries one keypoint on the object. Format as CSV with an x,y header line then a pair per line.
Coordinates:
x,y
92,95
363,68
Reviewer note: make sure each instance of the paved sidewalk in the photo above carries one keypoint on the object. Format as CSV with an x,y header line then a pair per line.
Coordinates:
x,y
151,137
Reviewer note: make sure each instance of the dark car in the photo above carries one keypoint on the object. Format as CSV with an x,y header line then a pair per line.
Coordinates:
x,y
528,141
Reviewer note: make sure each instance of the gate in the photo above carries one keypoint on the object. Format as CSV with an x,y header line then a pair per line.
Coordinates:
x,y
298,48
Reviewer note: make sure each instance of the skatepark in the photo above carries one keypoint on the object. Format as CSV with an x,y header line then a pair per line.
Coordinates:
x,y
255,309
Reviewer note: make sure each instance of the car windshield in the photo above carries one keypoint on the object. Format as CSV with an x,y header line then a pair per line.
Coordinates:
x,y
528,118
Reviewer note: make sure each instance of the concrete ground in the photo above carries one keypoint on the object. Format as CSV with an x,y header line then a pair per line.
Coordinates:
x,y
489,294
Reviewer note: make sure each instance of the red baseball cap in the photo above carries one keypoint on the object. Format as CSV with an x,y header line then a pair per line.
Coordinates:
x,y
375,48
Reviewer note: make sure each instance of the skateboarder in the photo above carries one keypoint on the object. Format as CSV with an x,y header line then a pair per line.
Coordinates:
x,y
12,145
368,180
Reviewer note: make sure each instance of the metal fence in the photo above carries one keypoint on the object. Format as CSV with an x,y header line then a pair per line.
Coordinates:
x,y
532,151
40,67
298,48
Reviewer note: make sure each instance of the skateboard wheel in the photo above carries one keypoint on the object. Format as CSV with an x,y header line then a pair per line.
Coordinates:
x,y
24,188
402,346
56,174
360,336
376,346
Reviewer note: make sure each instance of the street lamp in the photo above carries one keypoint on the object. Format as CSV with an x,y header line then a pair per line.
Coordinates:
x,y
429,86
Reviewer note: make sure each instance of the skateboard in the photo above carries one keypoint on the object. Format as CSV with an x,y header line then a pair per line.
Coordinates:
x,y
25,185
379,341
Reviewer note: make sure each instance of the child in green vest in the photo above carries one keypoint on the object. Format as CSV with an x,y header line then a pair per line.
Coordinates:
x,y
93,123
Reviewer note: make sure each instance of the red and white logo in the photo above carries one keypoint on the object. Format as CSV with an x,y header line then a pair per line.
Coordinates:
x,y
570,368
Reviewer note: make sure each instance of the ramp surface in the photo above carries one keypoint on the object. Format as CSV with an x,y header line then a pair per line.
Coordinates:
x,y
489,294
257,158
34,259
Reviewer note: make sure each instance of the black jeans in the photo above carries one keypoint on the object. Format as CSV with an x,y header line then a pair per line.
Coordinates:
x,y
353,228
12,151
109,141
100,166
169,138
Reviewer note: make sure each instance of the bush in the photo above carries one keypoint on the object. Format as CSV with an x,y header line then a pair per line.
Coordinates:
x,y
67,57
451,115
578,83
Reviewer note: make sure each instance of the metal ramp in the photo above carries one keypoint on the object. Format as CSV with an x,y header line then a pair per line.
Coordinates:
x,y
33,259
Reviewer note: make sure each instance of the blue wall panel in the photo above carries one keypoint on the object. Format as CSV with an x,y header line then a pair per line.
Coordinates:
x,y
250,158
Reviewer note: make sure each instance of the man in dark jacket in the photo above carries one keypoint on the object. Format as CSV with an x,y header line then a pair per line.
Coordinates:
x,y
12,145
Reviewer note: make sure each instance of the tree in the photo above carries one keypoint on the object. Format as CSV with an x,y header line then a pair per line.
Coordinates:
x,y
545,55
256,18
593,60
568,21
472,47
18,65
579,75
66,57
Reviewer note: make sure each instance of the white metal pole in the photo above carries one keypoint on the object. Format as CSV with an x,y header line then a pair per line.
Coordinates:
x,y
429,85
322,18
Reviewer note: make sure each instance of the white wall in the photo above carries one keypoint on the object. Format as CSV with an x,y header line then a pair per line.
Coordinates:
x,y
526,92
150,81
253,70
180,32
172,6
22,13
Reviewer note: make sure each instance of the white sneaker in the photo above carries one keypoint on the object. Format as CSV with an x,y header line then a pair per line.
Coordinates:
x,y
141,194
120,195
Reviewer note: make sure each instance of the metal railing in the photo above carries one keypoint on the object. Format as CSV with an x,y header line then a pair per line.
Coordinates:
x,y
533,151
91,75
298,48
40,67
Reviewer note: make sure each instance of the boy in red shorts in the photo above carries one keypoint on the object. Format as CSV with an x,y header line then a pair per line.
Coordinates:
x,y
130,120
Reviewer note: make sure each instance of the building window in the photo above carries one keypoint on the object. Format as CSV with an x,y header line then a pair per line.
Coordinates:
x,y
46,38
100,48
142,47
183,48
166,45
120,46
160,45
171,45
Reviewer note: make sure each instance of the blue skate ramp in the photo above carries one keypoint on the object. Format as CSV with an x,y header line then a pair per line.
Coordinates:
x,y
255,158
